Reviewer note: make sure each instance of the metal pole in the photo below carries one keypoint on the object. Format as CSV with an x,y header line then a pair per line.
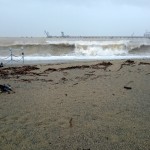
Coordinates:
x,y
11,55
22,55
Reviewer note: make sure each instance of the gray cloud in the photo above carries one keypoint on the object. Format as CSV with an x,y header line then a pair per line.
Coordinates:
x,y
75,17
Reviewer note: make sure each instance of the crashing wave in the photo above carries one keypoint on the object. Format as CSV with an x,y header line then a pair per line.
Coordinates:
x,y
80,48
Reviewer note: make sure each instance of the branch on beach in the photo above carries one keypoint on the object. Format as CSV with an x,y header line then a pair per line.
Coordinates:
x,y
127,87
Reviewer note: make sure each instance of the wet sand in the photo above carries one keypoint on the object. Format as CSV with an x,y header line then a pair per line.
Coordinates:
x,y
76,106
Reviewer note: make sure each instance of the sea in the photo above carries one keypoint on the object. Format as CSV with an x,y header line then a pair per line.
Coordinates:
x,y
61,49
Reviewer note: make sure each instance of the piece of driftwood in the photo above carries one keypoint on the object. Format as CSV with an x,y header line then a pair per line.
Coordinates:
x,y
127,87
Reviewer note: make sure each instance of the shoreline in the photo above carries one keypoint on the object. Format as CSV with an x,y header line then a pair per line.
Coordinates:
x,y
55,61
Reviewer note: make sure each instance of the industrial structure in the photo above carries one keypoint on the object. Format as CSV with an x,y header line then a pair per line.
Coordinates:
x,y
146,35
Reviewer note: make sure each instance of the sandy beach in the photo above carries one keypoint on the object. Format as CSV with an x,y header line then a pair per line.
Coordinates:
x,y
76,106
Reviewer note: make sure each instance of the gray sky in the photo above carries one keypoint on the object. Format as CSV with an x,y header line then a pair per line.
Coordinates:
x,y
74,17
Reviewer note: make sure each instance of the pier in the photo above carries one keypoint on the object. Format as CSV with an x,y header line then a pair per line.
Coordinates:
x,y
145,36
100,37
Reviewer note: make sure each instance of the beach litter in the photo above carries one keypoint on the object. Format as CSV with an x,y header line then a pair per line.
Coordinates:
x,y
5,88
1,65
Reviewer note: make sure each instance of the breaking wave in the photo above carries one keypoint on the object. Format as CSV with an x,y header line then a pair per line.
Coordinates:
x,y
79,49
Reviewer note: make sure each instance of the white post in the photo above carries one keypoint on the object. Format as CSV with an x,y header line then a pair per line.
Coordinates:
x,y
11,55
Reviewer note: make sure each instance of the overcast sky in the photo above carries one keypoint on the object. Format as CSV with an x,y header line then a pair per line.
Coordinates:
x,y
74,17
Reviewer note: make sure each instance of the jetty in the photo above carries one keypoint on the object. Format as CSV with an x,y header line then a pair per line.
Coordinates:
x,y
145,36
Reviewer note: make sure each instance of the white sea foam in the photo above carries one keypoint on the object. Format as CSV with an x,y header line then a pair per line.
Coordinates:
x,y
96,48
99,51
89,43
75,58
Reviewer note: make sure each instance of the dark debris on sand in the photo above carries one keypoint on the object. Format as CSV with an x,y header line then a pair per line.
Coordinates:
x,y
18,71
5,88
1,65
127,63
103,65
127,87
144,63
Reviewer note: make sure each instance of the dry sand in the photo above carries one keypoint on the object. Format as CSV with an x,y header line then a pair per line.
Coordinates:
x,y
85,107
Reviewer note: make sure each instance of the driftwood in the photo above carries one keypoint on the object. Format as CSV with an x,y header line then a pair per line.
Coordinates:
x,y
127,87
